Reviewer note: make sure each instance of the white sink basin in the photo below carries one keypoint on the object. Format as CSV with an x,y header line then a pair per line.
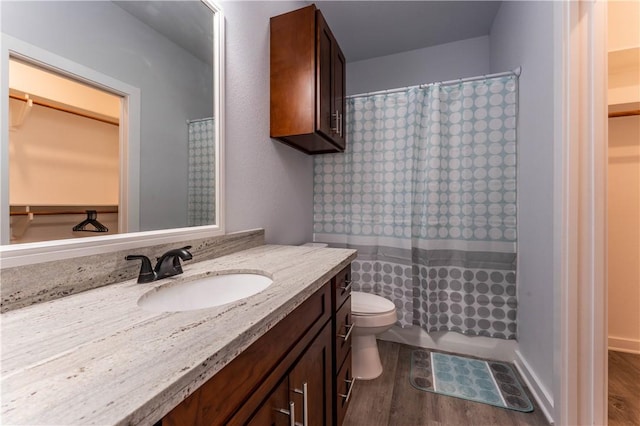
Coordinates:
x,y
202,293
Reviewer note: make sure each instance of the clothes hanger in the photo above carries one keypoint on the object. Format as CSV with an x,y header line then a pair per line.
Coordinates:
x,y
92,221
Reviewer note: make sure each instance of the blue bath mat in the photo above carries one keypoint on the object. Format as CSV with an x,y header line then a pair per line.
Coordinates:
x,y
489,382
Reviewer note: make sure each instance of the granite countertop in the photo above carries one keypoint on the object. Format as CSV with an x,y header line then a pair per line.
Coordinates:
x,y
98,358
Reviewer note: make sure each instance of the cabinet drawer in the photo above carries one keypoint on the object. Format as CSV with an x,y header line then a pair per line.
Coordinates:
x,y
341,287
344,325
345,383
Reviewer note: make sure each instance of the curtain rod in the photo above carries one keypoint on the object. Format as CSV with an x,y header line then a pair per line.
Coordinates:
x,y
199,119
515,72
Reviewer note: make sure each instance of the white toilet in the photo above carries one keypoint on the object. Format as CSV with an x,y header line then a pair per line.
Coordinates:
x,y
371,315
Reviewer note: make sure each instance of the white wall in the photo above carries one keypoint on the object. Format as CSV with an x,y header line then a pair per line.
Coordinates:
x,y
171,80
460,59
268,185
522,35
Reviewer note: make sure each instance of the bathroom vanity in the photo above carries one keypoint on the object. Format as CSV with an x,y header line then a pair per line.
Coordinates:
x,y
96,357
290,373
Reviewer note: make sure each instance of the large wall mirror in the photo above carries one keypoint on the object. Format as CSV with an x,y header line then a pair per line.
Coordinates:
x,y
112,126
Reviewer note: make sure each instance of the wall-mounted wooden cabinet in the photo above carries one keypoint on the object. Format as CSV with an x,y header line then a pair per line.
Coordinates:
x,y
307,83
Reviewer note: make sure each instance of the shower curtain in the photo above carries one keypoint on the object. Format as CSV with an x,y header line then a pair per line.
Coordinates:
x,y
201,183
426,192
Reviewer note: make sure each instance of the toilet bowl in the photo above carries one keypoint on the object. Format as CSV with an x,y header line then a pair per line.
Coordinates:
x,y
371,315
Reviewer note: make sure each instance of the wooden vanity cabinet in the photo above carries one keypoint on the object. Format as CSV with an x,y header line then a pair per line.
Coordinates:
x,y
342,329
344,387
259,385
307,83
309,384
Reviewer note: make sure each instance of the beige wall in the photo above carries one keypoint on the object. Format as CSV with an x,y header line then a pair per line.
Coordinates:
x,y
624,51
57,158
61,159
624,17
62,91
624,233
624,176
624,69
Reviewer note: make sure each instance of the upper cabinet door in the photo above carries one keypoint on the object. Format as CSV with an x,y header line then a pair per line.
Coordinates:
x,y
338,75
304,55
330,74
326,121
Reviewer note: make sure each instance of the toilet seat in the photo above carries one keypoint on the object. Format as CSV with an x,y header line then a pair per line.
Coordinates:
x,y
369,310
365,304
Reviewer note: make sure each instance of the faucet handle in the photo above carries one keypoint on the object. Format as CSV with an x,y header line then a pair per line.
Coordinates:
x,y
146,274
169,263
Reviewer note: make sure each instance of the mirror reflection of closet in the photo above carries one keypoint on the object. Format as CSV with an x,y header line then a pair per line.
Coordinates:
x,y
64,156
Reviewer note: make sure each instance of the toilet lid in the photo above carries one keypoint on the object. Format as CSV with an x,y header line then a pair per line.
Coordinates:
x,y
370,304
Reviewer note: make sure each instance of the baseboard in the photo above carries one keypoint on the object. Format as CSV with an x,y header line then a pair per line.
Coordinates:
x,y
621,344
539,392
482,347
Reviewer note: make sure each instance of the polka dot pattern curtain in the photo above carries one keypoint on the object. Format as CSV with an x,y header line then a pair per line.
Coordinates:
x,y
426,192
201,183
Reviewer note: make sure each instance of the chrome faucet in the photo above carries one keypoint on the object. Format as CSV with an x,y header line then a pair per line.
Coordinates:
x,y
168,264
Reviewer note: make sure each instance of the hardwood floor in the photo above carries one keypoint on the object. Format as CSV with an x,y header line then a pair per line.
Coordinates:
x,y
624,389
391,400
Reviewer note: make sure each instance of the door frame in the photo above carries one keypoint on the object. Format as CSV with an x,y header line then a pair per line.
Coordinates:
x,y
581,379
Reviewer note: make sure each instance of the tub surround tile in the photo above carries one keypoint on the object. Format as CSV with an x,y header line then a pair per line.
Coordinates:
x,y
31,284
97,358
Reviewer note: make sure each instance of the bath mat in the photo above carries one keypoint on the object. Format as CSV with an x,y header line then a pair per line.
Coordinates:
x,y
489,382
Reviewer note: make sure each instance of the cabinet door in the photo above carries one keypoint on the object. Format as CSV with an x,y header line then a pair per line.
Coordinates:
x,y
275,410
338,65
310,383
326,118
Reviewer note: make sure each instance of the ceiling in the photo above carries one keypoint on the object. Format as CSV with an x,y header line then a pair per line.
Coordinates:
x,y
364,29
368,29
189,24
